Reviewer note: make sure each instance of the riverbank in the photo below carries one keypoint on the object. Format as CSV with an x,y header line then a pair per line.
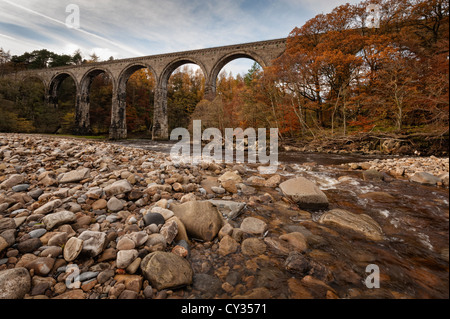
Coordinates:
x,y
123,218
423,170
418,144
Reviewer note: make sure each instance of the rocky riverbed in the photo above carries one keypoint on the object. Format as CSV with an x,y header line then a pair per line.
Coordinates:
x,y
423,170
90,220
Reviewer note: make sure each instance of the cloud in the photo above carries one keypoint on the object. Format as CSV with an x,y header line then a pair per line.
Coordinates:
x,y
128,28
81,30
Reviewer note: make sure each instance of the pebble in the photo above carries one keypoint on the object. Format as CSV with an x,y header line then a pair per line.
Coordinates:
x,y
125,258
21,188
14,283
72,249
154,218
93,242
37,233
254,226
115,204
29,246
126,244
125,216
86,276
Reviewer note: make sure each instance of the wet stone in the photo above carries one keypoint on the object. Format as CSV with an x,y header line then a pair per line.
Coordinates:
x,y
154,218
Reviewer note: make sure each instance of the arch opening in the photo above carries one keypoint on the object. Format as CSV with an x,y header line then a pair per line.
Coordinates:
x,y
137,87
237,60
62,102
94,110
30,106
185,90
179,91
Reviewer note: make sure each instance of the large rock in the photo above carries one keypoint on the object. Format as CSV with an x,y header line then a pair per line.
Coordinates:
x,y
75,176
117,188
41,266
305,193
7,223
57,219
230,176
14,283
12,181
3,244
362,223
93,243
201,219
125,258
425,178
167,270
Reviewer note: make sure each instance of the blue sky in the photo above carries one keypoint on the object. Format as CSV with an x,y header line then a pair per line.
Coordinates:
x,y
128,28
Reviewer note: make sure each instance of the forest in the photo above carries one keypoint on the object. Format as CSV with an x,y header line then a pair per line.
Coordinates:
x,y
338,77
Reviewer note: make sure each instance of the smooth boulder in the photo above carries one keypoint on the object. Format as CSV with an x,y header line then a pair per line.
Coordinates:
x,y
117,188
72,249
93,243
360,223
201,219
57,219
14,283
425,178
305,193
166,270
75,176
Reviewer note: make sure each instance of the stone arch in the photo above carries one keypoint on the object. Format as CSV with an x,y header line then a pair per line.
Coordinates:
x,y
82,119
89,76
118,117
34,77
27,77
129,70
55,84
172,66
224,60
161,120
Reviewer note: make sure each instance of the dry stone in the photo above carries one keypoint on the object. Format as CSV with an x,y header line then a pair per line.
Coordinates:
x,y
167,270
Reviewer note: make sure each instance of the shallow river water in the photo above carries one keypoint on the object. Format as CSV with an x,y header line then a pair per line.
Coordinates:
x,y
413,258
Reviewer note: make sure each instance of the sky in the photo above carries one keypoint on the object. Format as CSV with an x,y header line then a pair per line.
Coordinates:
x,y
126,29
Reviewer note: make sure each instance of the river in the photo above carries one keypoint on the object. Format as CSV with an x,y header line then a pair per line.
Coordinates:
x,y
413,259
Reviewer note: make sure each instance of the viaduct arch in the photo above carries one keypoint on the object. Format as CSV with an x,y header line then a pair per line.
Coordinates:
x,y
211,61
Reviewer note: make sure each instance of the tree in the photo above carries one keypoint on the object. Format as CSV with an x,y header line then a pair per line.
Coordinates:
x,y
77,57
93,58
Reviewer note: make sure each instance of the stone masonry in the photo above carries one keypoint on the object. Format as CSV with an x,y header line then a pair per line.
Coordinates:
x,y
211,61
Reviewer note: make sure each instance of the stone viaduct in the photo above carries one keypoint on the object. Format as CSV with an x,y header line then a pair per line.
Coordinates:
x,y
211,61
